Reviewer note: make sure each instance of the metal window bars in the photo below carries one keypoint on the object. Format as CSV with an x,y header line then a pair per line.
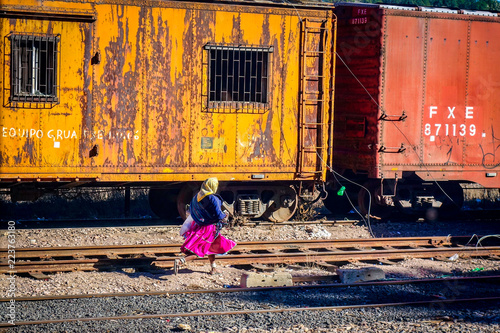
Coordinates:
x,y
34,61
238,78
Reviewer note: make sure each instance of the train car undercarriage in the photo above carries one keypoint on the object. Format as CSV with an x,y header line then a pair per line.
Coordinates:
x,y
381,198
274,202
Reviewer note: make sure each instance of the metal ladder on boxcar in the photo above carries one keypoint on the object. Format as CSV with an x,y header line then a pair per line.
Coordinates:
x,y
314,93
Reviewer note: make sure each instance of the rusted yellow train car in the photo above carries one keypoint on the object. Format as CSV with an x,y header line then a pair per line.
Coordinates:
x,y
166,94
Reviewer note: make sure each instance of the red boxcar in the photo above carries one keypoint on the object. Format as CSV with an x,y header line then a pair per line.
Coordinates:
x,y
417,93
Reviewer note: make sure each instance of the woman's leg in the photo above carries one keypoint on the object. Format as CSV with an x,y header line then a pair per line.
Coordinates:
x,y
190,257
181,261
211,259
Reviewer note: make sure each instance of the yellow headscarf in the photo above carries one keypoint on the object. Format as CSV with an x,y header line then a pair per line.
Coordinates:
x,y
208,187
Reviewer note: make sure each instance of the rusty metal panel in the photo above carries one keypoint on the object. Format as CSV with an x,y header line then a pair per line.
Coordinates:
x,y
46,135
31,3
248,137
212,134
258,136
286,71
66,125
167,77
117,88
261,141
132,90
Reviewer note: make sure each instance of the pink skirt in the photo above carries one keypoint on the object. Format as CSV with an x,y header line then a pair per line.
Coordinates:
x,y
201,241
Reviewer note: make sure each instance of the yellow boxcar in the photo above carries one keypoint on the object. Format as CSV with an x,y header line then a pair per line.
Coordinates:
x,y
167,93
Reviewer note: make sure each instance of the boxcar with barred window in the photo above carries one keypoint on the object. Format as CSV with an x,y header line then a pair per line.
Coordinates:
x,y
165,94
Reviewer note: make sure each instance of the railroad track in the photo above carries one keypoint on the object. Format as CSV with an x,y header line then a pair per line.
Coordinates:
x,y
459,284
327,253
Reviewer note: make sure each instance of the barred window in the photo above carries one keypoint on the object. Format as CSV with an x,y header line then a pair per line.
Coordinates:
x,y
34,68
238,74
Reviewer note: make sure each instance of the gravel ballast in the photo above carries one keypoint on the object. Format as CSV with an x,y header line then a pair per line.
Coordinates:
x,y
486,316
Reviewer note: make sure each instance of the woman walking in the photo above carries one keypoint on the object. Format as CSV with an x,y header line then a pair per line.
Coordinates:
x,y
201,230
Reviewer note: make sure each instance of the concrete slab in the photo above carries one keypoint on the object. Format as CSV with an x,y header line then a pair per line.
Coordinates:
x,y
349,276
277,279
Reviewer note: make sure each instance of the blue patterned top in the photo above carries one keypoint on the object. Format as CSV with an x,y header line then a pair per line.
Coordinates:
x,y
208,211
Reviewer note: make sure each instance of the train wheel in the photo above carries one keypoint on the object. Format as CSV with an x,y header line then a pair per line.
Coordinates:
x,y
284,206
163,202
380,207
451,195
185,196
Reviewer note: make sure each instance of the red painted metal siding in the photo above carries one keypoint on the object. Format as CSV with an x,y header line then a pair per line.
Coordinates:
x,y
445,93
484,95
402,90
358,58
438,72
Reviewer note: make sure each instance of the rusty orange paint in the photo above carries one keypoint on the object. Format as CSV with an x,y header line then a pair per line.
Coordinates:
x,y
132,83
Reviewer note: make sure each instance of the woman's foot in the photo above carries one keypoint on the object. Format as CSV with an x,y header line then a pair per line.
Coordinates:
x,y
214,271
178,263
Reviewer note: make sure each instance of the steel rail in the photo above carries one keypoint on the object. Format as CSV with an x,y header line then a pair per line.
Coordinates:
x,y
284,252
107,250
347,256
237,289
246,312
326,257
